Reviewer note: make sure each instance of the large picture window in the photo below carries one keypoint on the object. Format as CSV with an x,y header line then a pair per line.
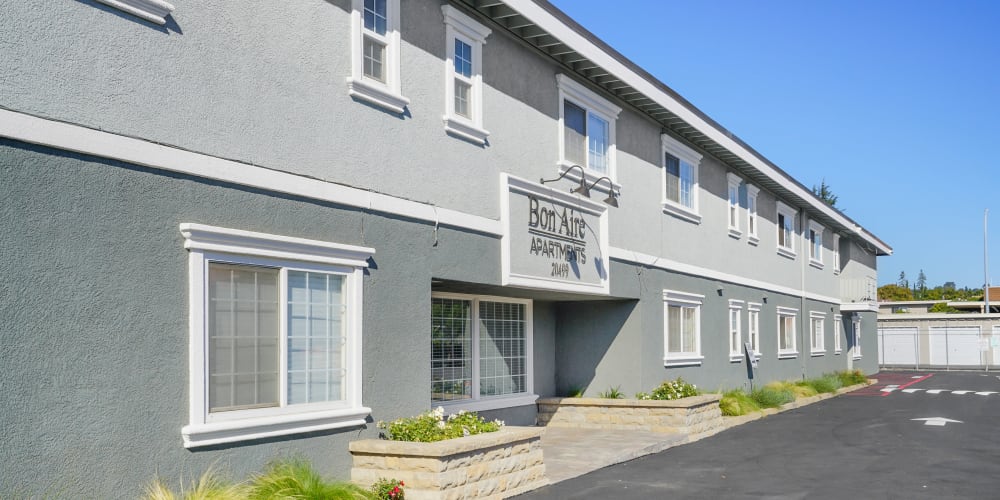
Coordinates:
x,y
480,351
275,335
682,321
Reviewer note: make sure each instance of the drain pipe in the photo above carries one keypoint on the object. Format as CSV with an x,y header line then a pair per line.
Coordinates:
x,y
804,353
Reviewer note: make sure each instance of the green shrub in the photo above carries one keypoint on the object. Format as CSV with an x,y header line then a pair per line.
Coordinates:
x,y
826,383
772,396
209,487
612,393
387,489
296,479
852,377
670,390
575,392
432,426
802,389
737,402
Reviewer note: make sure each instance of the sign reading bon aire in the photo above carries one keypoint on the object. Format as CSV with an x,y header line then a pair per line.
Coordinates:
x,y
553,239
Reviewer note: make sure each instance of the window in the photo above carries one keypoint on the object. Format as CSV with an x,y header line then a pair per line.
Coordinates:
x,y
682,319
817,333
752,192
735,330
734,204
753,327
465,38
275,332
856,328
786,332
480,351
838,332
587,131
375,54
815,245
680,179
786,230
836,253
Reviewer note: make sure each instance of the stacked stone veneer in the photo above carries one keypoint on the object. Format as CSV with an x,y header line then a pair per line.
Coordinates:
x,y
696,416
491,465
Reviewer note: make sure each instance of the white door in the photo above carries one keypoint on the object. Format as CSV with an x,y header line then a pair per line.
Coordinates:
x,y
955,346
898,346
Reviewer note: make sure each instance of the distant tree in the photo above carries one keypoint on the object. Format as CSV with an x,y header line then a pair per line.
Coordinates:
x,y
902,280
824,193
948,285
894,293
942,307
921,285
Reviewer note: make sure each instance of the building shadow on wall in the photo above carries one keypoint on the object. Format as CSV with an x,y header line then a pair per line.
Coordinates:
x,y
170,26
585,331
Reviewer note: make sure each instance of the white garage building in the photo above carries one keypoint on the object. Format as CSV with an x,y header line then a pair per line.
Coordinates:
x,y
929,340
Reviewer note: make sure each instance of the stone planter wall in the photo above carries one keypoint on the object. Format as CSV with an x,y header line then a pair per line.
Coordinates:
x,y
695,416
492,465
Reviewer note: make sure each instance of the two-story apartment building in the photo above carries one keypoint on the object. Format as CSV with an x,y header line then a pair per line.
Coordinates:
x,y
232,231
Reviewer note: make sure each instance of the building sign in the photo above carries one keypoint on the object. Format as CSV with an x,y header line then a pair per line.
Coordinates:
x,y
553,239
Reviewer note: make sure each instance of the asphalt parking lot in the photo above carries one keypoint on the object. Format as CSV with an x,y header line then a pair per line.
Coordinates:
x,y
913,435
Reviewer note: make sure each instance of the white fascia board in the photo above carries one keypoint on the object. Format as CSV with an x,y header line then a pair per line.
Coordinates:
x,y
586,48
75,138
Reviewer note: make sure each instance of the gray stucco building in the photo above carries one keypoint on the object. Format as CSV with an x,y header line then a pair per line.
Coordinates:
x,y
232,231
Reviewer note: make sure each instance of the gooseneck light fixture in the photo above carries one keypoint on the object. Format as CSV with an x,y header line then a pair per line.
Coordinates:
x,y
583,189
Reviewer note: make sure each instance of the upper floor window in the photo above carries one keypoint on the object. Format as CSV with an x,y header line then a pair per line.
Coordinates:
x,y
375,54
836,253
786,230
465,38
734,182
815,244
682,335
752,193
275,332
680,179
587,132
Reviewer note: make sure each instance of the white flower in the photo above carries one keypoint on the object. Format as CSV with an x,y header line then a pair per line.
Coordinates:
x,y
440,424
465,431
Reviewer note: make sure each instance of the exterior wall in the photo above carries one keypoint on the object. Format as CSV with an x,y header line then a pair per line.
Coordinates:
x,y
923,323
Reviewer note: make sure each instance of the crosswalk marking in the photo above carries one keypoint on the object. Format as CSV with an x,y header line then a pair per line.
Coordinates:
x,y
889,389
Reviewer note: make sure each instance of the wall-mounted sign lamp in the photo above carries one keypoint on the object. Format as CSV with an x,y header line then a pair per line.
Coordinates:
x,y
583,189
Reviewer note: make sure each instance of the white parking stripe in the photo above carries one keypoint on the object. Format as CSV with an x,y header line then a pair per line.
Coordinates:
x,y
935,391
911,391
961,392
985,393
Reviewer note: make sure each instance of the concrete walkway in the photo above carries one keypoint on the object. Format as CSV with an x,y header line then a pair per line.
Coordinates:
x,y
574,452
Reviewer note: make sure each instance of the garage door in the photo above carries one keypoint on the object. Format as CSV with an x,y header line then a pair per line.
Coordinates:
x,y
955,346
898,346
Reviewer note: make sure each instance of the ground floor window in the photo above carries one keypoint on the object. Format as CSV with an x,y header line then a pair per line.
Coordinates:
x,y
817,333
753,327
735,330
838,332
856,328
480,348
786,332
682,335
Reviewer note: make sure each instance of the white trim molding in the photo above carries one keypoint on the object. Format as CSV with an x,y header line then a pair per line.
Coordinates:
x,y
154,11
753,217
684,300
463,28
388,92
685,155
592,104
733,204
817,229
791,214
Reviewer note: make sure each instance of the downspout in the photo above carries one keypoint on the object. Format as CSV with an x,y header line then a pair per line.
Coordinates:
x,y
804,251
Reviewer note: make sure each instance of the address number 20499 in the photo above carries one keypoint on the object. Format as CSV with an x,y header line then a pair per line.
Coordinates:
x,y
560,269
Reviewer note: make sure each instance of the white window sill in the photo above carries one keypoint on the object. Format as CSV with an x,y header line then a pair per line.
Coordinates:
x,y
735,233
815,263
232,431
837,352
753,240
681,212
816,354
376,94
591,177
736,358
788,355
487,404
857,356
683,361
465,130
784,252
154,11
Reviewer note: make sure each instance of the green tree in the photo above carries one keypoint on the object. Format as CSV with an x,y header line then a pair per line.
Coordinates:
x,y
942,307
894,293
921,284
902,282
824,193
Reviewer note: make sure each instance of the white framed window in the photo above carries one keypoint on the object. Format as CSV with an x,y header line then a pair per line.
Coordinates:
x,y
786,332
463,115
480,352
735,330
682,325
680,179
275,335
817,333
753,327
733,206
752,193
856,329
586,132
838,332
786,230
836,253
816,244
375,46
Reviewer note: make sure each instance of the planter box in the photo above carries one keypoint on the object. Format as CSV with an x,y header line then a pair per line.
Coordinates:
x,y
695,416
491,465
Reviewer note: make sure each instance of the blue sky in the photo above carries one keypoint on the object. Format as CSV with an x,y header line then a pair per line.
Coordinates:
x,y
895,103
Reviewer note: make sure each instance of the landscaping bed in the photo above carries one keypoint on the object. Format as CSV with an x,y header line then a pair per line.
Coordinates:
x,y
694,415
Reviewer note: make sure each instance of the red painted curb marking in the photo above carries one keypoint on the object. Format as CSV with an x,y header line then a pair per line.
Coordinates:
x,y
904,386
